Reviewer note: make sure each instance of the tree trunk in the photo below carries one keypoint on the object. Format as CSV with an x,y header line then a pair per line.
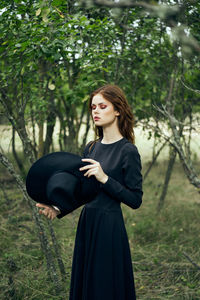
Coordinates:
x,y
40,138
172,158
51,121
33,128
176,141
86,131
19,125
16,157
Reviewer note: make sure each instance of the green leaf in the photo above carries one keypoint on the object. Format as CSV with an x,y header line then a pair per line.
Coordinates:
x,y
57,2
22,70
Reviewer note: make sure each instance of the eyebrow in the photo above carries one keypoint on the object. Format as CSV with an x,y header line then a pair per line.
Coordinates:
x,y
99,103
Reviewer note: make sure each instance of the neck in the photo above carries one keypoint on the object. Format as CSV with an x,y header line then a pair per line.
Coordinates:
x,y
111,134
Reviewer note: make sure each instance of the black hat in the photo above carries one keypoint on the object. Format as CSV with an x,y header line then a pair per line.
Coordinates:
x,y
55,179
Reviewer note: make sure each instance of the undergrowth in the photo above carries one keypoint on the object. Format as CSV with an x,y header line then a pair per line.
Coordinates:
x,y
160,244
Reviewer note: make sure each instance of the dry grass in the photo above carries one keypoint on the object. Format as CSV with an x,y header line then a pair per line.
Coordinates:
x,y
157,243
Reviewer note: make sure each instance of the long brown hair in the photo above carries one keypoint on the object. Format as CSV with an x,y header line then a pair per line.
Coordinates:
x,y
116,96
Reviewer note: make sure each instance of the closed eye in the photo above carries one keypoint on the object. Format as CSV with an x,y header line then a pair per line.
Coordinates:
x,y
101,106
93,106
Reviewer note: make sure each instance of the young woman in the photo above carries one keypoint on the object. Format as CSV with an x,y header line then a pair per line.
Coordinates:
x,y
102,266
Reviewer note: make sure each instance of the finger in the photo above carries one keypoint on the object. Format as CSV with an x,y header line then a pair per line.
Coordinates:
x,y
44,212
41,205
89,160
87,167
91,172
41,212
48,214
53,216
87,173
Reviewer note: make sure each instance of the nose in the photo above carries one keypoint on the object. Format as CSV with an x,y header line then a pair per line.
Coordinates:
x,y
96,110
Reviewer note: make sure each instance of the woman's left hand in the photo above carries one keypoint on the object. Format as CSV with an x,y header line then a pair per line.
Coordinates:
x,y
47,210
94,169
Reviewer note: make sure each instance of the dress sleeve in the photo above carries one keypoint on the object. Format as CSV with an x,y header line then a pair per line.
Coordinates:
x,y
130,192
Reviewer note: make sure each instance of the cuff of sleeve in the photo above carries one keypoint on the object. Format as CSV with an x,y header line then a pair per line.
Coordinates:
x,y
56,208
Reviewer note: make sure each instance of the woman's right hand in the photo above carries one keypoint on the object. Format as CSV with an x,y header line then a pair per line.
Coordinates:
x,y
48,211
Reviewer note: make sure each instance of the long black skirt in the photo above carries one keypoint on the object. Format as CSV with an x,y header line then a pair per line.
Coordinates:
x,y
102,266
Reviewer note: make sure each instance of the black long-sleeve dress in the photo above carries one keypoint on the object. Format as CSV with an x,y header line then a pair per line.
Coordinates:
x,y
102,266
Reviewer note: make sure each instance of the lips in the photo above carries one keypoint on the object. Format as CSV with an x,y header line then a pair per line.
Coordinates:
x,y
96,118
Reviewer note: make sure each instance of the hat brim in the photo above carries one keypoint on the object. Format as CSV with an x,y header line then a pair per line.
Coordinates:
x,y
42,170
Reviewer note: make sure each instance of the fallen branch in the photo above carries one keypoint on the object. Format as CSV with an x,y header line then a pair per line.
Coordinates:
x,y
191,261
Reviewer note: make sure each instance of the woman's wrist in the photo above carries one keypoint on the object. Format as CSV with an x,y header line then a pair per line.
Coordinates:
x,y
104,179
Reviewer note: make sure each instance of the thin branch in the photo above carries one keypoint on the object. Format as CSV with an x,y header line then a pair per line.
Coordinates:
x,y
167,13
176,142
189,88
121,4
190,260
154,159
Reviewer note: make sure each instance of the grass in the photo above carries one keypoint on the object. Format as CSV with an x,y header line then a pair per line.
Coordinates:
x,y
157,242
160,241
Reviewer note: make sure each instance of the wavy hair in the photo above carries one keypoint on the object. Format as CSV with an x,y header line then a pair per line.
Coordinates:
x,y
116,96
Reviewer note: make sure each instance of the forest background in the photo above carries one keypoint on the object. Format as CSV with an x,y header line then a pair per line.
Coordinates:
x,y
53,53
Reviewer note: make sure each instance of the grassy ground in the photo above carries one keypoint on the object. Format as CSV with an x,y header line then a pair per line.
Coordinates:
x,y
158,243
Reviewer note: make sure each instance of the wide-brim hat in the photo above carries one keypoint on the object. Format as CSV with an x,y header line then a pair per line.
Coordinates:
x,y
55,179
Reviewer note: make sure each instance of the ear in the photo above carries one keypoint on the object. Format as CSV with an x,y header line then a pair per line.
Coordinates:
x,y
117,113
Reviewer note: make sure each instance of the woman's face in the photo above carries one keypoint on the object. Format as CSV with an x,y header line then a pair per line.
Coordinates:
x,y
103,112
